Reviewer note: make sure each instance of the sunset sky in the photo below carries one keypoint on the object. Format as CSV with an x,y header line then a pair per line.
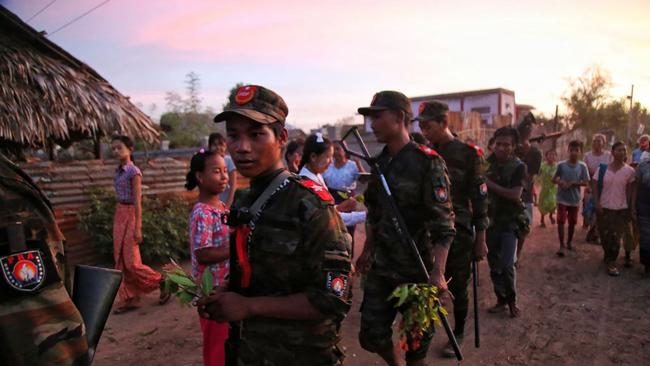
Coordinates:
x,y
326,58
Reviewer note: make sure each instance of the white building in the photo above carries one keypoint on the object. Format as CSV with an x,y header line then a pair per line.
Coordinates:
x,y
488,102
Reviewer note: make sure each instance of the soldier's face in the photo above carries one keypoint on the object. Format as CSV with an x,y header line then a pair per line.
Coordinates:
x,y
504,147
432,130
386,125
254,147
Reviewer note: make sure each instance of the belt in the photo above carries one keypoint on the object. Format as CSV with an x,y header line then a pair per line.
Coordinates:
x,y
126,203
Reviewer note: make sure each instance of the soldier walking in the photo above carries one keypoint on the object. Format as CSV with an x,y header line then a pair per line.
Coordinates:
x,y
290,266
469,198
418,180
505,178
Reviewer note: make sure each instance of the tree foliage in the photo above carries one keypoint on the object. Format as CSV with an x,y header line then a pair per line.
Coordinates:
x,y
184,124
592,108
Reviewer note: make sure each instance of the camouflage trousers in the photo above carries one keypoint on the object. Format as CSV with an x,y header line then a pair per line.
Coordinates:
x,y
44,328
378,314
270,352
614,226
502,254
459,269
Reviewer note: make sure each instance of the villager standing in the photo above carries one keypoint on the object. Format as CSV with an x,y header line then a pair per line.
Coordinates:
x,y
209,240
612,189
138,278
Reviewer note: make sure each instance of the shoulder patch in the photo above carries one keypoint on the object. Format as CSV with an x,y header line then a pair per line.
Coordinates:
x,y
427,150
319,190
479,151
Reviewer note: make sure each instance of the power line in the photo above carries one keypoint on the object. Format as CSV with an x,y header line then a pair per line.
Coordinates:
x,y
79,17
40,11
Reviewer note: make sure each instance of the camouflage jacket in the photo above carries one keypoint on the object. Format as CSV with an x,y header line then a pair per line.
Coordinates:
x,y
39,324
298,245
468,189
506,214
417,177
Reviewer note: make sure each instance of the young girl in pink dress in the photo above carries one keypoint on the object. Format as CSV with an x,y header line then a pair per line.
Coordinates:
x,y
209,246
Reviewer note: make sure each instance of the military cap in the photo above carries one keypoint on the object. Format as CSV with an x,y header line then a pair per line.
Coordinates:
x,y
434,110
257,103
387,100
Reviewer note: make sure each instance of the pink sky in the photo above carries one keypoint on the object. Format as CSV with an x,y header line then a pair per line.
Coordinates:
x,y
328,58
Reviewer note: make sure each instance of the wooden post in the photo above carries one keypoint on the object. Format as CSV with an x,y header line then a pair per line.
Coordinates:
x,y
97,144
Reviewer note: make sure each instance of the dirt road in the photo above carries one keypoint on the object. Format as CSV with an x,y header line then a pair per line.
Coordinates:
x,y
573,314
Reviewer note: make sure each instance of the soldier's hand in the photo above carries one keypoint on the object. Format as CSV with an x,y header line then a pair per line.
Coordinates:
x,y
437,279
346,206
232,307
208,307
480,246
363,262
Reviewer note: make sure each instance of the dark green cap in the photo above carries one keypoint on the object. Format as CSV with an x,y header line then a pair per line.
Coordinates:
x,y
387,100
257,103
434,110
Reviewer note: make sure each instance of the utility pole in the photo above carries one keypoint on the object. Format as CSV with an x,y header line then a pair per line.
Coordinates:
x,y
629,124
555,127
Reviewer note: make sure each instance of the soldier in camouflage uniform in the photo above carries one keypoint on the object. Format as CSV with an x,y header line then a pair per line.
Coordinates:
x,y
290,264
39,324
469,198
417,177
505,178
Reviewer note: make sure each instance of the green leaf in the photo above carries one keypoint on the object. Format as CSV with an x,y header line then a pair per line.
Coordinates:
x,y
181,281
185,298
207,281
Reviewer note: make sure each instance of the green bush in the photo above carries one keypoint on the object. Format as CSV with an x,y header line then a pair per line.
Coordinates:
x,y
164,225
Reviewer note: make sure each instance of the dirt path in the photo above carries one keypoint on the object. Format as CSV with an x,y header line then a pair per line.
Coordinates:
x,y
573,314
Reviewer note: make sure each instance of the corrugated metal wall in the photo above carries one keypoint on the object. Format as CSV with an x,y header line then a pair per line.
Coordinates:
x,y
66,184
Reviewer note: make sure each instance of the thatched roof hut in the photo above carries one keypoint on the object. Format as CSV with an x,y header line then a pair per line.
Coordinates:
x,y
48,96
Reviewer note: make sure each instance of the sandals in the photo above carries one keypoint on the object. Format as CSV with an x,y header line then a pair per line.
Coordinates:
x,y
164,295
126,306
612,271
498,308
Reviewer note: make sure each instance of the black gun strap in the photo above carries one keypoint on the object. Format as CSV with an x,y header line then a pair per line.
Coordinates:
x,y
268,192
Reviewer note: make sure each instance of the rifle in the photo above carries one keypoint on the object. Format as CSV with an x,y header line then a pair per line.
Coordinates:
x,y
477,336
399,224
93,294
544,136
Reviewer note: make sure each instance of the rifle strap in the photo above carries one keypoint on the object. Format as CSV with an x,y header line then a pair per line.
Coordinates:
x,y
243,232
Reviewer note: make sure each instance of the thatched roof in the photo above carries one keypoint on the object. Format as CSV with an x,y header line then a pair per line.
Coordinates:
x,y
48,95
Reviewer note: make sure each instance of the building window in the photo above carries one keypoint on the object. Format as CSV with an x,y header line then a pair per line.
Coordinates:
x,y
485,114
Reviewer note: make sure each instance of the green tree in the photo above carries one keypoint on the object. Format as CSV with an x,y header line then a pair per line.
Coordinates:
x,y
586,95
193,88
